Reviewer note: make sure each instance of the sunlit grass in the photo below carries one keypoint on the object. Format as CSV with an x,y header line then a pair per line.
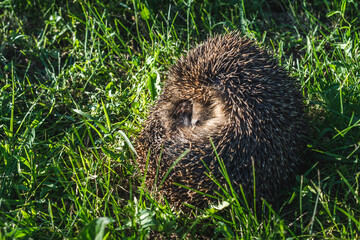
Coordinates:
x,y
77,80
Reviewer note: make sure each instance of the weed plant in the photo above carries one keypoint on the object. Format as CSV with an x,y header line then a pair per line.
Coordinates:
x,y
77,79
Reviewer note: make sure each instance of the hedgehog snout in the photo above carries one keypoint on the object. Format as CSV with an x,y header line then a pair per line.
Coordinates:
x,y
197,114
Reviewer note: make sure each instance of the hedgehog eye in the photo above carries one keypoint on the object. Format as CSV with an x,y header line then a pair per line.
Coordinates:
x,y
196,122
183,113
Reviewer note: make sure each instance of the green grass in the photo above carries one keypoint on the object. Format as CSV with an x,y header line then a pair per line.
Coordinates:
x,y
77,80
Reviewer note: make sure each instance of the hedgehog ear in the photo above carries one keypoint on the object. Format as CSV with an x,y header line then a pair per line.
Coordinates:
x,y
183,113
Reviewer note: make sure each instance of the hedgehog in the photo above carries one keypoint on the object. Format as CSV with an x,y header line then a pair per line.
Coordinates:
x,y
227,100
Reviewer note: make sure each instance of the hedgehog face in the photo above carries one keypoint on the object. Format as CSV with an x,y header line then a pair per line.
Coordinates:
x,y
189,113
194,119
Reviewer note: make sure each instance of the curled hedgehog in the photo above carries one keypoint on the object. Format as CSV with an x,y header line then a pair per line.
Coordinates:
x,y
229,92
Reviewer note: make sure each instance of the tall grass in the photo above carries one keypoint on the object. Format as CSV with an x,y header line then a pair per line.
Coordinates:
x,y
78,78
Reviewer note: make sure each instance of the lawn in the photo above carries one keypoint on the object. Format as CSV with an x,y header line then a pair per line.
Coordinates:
x,y
78,78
